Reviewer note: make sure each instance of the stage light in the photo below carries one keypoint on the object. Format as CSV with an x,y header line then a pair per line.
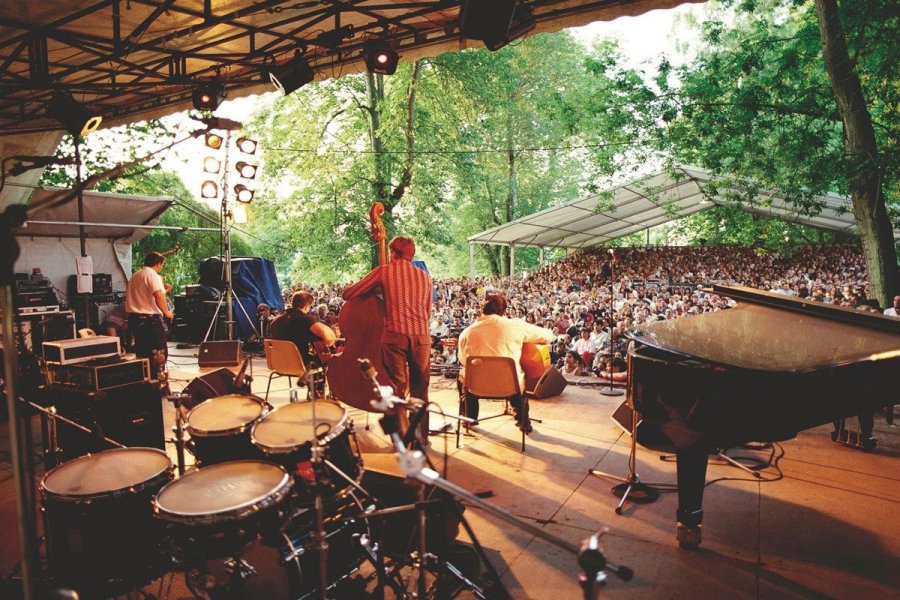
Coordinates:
x,y
214,140
243,193
209,189
246,170
246,145
239,213
380,58
211,164
292,75
208,96
78,119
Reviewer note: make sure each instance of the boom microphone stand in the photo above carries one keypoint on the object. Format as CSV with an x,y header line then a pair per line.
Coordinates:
x,y
412,464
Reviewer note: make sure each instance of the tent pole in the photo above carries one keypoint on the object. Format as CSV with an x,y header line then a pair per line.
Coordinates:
x,y
512,260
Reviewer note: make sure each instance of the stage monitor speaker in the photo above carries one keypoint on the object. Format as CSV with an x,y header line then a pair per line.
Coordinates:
x,y
219,354
551,383
623,417
130,415
210,385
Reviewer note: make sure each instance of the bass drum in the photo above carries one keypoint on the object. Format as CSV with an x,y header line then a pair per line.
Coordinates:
x,y
101,535
288,567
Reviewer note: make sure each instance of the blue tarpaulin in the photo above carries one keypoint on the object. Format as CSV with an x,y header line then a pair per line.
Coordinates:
x,y
253,281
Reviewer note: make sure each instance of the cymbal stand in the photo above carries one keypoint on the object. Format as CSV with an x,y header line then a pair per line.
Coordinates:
x,y
316,457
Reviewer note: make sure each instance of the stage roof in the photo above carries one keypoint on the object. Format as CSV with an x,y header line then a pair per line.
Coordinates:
x,y
143,58
104,209
654,200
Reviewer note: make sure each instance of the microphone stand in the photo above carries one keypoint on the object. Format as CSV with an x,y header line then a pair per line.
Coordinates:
x,y
610,390
412,464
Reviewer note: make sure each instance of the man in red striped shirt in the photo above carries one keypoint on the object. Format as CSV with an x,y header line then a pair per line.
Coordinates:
x,y
406,342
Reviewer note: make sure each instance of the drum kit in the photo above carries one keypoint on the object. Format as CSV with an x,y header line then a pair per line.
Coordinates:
x,y
277,506
274,507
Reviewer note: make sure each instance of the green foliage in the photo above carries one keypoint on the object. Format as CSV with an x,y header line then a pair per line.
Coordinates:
x,y
756,103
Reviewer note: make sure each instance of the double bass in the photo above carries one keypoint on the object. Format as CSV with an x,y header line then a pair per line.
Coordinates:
x,y
362,321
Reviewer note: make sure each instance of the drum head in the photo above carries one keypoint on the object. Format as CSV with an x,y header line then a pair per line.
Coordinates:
x,y
224,414
223,491
105,473
290,426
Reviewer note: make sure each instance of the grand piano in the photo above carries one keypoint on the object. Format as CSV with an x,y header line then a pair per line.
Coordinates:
x,y
761,371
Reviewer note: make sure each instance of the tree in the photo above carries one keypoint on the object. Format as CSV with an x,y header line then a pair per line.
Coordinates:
x,y
756,106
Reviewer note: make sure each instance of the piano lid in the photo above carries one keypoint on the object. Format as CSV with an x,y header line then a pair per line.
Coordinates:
x,y
776,334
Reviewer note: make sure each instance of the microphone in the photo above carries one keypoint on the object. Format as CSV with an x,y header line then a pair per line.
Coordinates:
x,y
386,398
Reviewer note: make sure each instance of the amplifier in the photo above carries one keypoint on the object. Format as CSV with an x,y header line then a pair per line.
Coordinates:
x,y
67,352
102,283
219,354
98,376
36,297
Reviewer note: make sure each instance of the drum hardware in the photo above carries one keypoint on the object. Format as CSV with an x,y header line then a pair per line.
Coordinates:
x,y
179,441
413,463
53,452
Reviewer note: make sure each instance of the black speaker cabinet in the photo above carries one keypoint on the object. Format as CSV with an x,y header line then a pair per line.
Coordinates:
x,y
486,21
443,513
130,415
210,385
219,354
551,383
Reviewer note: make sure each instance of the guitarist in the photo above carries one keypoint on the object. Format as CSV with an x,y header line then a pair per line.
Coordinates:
x,y
405,342
297,325
145,304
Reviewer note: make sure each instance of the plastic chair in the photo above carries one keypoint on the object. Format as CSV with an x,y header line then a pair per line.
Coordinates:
x,y
283,359
495,378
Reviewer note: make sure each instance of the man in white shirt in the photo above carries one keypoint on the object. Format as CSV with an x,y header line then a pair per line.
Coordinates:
x,y
894,311
145,303
492,334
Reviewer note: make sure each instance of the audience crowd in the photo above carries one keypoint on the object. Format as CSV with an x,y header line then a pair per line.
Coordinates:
x,y
590,298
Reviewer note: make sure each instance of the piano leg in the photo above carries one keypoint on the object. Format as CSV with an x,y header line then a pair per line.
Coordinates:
x,y
691,480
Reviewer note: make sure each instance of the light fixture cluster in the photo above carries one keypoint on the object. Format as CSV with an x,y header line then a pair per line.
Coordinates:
x,y
245,170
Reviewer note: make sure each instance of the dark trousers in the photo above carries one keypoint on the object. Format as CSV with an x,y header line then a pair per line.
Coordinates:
x,y
407,360
468,403
149,333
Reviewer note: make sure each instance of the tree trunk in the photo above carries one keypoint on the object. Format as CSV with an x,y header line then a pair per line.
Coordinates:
x,y
381,183
864,168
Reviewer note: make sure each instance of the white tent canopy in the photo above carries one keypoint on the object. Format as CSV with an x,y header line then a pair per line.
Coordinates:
x,y
647,202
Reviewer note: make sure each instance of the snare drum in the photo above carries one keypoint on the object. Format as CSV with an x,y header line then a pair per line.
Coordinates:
x,y
218,510
220,428
285,436
101,535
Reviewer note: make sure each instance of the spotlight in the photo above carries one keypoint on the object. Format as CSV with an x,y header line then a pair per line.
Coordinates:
x,y
239,214
246,170
211,164
209,189
214,140
78,119
380,58
292,75
246,145
207,96
243,193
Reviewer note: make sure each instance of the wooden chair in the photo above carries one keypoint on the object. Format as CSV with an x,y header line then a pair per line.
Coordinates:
x,y
283,359
495,378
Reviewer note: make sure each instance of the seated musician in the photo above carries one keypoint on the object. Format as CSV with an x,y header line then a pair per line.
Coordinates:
x,y
297,325
492,334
